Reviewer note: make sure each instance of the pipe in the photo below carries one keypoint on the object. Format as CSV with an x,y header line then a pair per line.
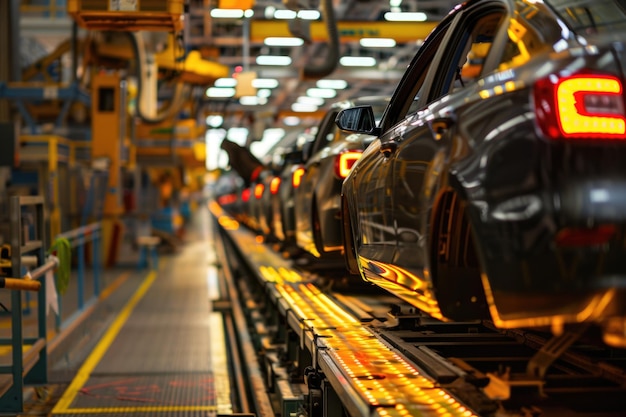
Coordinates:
x,y
332,56
181,91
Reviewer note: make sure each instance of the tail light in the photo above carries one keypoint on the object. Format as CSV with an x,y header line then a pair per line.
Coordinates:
x,y
587,106
296,177
226,199
274,185
577,237
258,190
245,195
344,161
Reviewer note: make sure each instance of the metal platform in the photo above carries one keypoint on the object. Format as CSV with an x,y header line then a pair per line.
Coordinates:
x,y
164,351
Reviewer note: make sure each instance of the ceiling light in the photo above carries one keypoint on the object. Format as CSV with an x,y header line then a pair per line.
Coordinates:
x,y
291,121
315,101
357,61
395,3
252,101
214,120
265,83
264,92
239,135
321,92
284,14
283,41
273,60
309,14
225,82
248,13
227,13
377,42
300,108
220,92
406,17
335,84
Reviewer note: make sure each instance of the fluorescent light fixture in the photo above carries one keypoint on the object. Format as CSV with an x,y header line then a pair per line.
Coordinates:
x,y
335,84
291,121
220,92
303,108
285,14
273,134
309,14
264,92
215,156
239,135
248,13
405,17
283,41
377,42
269,12
321,92
227,13
225,82
357,61
214,120
315,101
395,3
275,60
265,83
252,101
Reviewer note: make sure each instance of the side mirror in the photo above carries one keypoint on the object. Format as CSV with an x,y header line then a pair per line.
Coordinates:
x,y
357,119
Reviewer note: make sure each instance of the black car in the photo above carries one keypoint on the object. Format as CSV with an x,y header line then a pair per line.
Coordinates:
x,y
497,185
328,159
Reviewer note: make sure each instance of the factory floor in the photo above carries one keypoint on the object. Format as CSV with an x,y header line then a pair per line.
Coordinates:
x,y
150,344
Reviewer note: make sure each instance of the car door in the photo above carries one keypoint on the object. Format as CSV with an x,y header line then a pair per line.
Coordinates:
x,y
373,176
421,149
304,193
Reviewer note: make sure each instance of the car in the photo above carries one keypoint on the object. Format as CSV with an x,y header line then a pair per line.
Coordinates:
x,y
328,159
282,190
495,187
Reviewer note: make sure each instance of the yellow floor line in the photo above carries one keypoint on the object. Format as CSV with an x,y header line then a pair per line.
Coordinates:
x,y
96,355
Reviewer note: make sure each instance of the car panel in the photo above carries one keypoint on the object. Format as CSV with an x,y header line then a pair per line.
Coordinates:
x,y
464,201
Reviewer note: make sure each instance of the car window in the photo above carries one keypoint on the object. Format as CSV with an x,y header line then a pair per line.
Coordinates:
x,y
469,49
407,95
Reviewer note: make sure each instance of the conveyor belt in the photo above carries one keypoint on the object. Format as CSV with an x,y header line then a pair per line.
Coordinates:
x,y
164,354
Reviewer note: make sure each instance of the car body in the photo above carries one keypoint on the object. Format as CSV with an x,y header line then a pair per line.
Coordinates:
x,y
496,186
265,185
318,198
282,190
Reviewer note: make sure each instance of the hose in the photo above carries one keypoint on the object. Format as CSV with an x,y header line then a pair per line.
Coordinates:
x,y
181,90
332,57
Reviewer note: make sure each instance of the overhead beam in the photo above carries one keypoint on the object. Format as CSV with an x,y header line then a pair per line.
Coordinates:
x,y
349,31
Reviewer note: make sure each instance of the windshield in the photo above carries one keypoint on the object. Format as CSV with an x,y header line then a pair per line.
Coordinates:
x,y
591,16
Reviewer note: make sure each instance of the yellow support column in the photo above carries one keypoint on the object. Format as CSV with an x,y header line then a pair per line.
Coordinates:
x,y
53,178
107,141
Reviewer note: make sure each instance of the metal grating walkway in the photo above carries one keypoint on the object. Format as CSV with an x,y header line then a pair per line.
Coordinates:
x,y
164,354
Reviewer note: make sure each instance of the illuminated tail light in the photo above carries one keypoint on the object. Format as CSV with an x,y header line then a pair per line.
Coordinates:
x,y
227,199
274,185
245,195
577,237
344,161
258,191
586,106
296,177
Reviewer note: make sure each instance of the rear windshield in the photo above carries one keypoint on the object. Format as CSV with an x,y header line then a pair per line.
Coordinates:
x,y
591,16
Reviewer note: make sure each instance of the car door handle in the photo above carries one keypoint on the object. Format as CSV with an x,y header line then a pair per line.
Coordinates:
x,y
388,148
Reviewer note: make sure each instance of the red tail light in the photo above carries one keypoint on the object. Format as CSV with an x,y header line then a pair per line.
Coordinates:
x,y
227,199
274,185
576,237
586,106
344,161
245,195
296,177
258,191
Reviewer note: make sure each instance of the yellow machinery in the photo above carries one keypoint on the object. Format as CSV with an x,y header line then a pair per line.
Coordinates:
x,y
128,15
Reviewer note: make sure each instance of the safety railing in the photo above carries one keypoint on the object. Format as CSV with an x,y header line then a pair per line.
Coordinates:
x,y
79,239
29,357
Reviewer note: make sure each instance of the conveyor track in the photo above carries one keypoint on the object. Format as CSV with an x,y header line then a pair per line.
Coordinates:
x,y
473,367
